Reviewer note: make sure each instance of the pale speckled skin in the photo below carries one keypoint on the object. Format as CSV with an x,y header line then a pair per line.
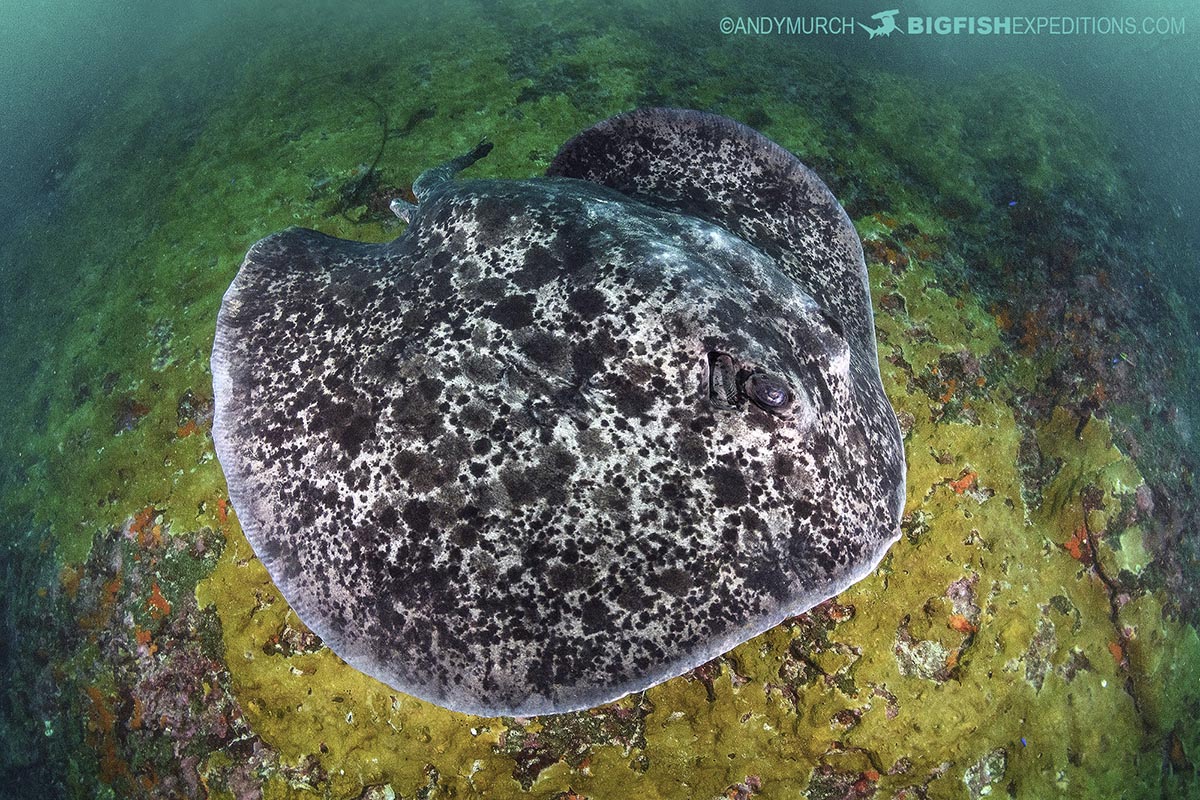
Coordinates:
x,y
480,461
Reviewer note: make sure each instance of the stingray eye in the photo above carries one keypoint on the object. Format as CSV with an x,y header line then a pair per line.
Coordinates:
x,y
768,392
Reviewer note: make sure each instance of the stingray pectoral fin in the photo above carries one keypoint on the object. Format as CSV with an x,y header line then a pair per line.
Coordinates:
x,y
720,170
262,328
433,177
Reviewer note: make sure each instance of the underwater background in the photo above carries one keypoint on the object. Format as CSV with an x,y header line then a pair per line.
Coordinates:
x,y
1029,213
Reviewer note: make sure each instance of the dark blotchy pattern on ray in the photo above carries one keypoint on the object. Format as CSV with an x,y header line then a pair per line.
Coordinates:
x,y
481,460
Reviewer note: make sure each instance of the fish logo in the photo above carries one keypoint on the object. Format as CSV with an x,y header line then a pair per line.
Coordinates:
x,y
887,23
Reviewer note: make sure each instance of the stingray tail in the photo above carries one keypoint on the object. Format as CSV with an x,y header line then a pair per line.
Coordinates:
x,y
430,179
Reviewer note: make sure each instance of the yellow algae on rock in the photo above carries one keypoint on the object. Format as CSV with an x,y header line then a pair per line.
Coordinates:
x,y
311,704
980,641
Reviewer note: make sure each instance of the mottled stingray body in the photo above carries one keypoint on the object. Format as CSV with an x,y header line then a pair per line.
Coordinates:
x,y
565,437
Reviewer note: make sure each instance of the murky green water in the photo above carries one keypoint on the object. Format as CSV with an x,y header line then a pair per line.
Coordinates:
x,y
1027,207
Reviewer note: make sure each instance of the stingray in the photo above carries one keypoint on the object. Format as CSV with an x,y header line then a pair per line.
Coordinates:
x,y
565,437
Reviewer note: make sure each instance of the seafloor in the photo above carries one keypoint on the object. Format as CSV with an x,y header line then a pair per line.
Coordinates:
x,y
1032,635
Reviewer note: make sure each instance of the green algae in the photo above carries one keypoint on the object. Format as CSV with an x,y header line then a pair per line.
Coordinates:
x,y
980,634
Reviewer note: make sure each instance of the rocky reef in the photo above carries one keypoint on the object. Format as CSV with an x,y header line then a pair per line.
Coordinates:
x,y
1033,634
